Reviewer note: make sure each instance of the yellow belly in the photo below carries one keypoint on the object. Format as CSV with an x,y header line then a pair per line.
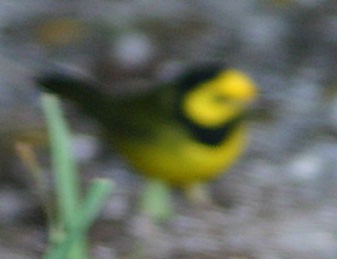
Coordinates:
x,y
181,161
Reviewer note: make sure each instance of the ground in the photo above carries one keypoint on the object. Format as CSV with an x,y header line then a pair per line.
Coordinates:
x,y
278,201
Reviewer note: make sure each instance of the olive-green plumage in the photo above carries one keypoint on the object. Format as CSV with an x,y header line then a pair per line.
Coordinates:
x,y
181,133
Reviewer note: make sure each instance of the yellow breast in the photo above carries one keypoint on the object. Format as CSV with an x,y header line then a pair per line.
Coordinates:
x,y
181,161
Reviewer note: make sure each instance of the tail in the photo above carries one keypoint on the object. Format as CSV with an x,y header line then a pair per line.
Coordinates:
x,y
83,92
69,86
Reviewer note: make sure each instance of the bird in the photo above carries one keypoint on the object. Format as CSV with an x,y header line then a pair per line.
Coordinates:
x,y
182,133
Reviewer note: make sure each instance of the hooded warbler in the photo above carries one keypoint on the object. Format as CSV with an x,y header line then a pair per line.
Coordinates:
x,y
182,133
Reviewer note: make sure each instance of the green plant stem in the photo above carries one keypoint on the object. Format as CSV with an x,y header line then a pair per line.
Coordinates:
x,y
98,192
67,184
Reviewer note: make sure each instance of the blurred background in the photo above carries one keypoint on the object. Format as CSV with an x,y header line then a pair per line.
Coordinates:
x,y
279,201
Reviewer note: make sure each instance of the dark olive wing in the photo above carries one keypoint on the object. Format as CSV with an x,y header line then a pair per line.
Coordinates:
x,y
128,116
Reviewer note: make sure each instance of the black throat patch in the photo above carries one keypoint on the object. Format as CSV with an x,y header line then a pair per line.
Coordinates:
x,y
211,136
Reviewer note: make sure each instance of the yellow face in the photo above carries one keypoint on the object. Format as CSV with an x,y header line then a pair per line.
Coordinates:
x,y
216,101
